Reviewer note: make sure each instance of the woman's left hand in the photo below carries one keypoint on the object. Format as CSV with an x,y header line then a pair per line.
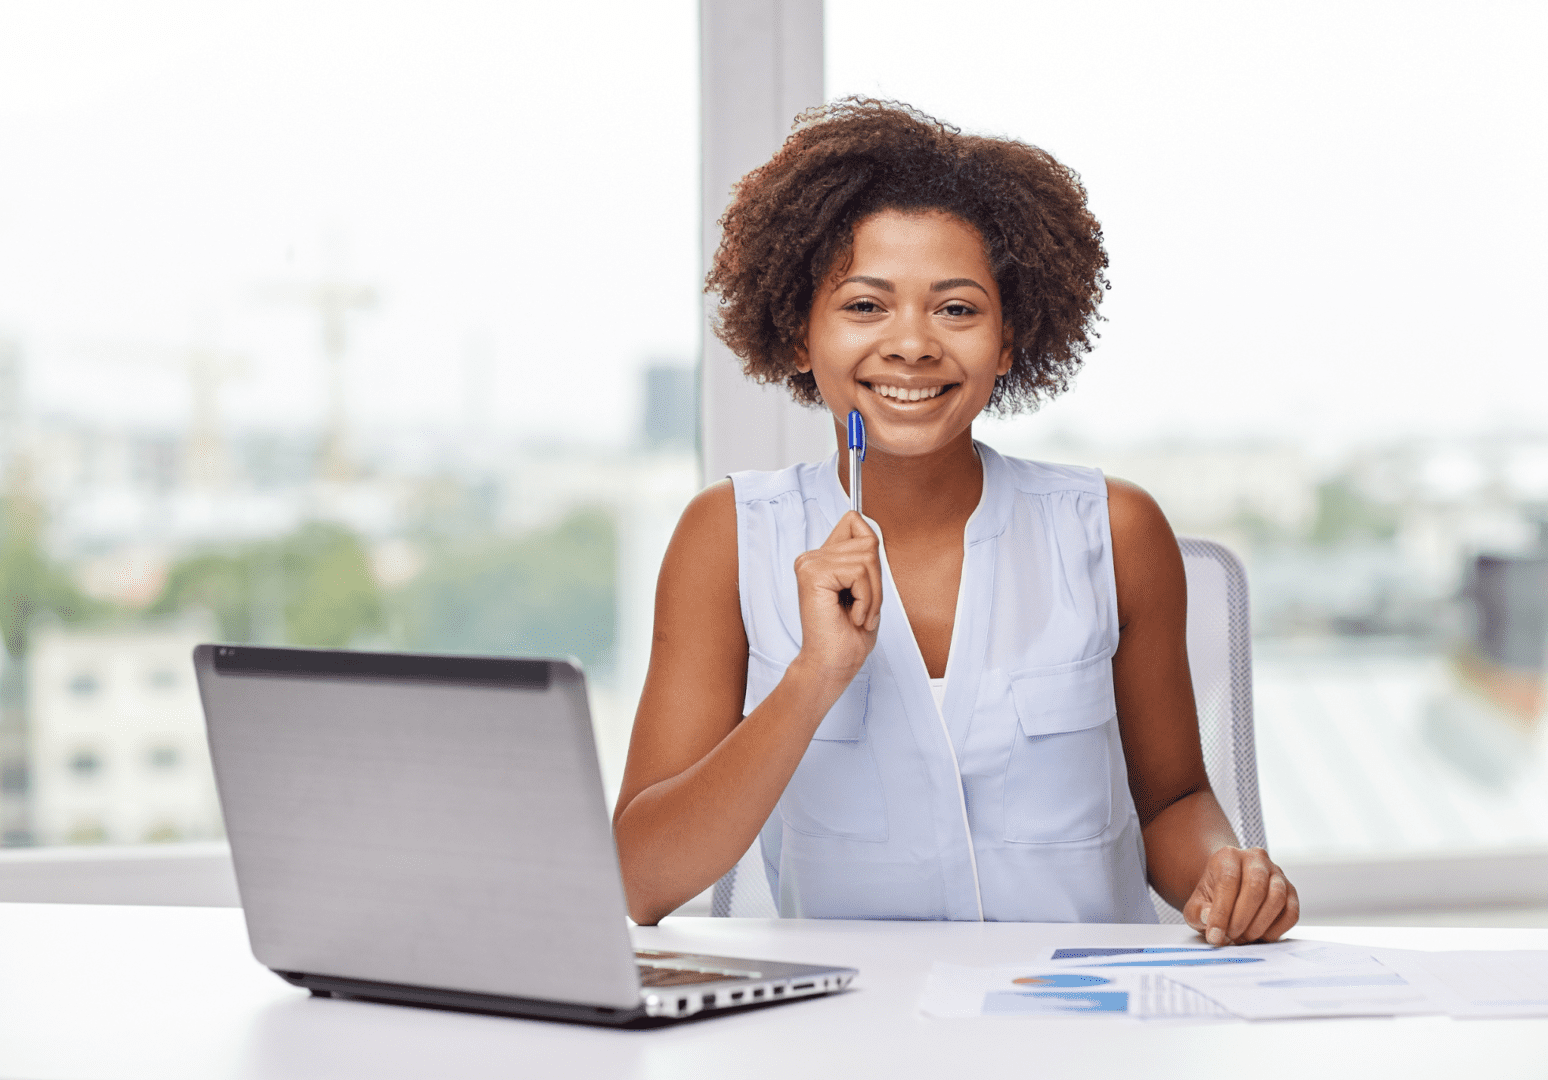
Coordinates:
x,y
1242,897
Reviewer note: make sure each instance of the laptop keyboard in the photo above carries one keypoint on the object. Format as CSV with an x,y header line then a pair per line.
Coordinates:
x,y
651,975
682,972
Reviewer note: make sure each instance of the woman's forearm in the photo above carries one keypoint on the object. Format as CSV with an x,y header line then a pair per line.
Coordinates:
x,y
1179,842
676,837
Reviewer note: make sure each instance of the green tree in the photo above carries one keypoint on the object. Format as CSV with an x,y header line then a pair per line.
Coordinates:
x,y
218,582
31,584
330,596
317,580
1345,513
550,592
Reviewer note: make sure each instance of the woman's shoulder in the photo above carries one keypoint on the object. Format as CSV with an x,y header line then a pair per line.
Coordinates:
x,y
710,515
1133,511
1147,563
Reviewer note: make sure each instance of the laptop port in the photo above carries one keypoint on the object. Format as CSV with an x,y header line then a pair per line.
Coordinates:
x,y
757,992
736,995
707,1000
778,990
802,986
682,1003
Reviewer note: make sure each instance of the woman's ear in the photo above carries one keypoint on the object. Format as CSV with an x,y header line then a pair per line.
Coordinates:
x,y
1007,350
803,362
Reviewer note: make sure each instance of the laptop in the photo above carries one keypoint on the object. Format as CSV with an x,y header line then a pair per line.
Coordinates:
x,y
432,830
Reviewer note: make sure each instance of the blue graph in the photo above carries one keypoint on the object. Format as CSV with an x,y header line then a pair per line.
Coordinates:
x,y
1081,954
1186,961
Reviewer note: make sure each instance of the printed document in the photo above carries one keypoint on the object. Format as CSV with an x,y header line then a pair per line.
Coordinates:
x,y
1281,981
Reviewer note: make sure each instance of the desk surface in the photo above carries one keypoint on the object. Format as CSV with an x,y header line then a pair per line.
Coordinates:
x,y
109,992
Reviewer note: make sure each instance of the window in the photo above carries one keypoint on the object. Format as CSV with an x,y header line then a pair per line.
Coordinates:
x,y
332,325
163,758
85,764
1322,348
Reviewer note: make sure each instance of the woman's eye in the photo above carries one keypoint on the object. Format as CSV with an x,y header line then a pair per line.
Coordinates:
x,y
958,309
864,307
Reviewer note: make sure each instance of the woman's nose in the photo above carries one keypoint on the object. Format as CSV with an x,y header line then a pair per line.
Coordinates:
x,y
913,339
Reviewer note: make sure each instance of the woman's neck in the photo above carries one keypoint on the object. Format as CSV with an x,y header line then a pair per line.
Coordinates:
x,y
919,494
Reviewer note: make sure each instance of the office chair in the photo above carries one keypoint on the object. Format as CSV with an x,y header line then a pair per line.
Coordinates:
x,y
1220,661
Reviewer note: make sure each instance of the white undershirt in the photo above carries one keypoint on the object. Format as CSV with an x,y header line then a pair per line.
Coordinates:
x,y
938,692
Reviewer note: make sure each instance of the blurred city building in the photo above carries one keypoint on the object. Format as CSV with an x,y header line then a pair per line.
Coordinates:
x,y
116,738
671,407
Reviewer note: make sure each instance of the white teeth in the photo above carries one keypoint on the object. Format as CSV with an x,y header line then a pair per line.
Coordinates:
x,y
898,393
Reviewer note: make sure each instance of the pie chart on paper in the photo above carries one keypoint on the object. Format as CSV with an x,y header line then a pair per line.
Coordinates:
x,y
1061,979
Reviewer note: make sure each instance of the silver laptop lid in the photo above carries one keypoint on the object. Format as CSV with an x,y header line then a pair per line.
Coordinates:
x,y
430,820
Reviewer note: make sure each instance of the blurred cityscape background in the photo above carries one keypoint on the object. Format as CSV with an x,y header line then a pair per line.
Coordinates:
x,y
123,548
336,326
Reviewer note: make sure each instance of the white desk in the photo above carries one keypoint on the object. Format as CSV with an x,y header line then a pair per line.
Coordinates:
x,y
166,993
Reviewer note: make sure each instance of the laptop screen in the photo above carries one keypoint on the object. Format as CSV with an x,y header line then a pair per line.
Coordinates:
x,y
435,821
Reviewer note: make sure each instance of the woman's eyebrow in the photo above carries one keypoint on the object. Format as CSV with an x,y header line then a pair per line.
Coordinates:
x,y
874,282
957,282
939,286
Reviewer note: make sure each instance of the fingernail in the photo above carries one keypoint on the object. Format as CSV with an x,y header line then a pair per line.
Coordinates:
x,y
1204,915
1216,936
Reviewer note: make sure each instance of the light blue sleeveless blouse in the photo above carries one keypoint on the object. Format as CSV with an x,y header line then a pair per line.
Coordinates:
x,y
1011,802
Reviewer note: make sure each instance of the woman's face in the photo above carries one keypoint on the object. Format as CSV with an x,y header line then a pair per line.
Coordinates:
x,y
910,332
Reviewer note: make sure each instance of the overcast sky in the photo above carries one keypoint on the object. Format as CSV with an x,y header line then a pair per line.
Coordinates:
x,y
517,181
1325,220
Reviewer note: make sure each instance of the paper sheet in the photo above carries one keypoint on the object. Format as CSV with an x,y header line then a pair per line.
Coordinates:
x,y
1477,984
1304,979
1054,991
1285,980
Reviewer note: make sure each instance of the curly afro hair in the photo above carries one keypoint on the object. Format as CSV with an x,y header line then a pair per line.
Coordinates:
x,y
791,224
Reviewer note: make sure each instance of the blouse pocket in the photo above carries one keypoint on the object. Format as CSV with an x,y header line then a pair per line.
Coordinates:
x,y
763,675
836,790
1058,782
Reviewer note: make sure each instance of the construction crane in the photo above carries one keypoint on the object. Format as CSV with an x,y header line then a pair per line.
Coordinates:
x,y
333,300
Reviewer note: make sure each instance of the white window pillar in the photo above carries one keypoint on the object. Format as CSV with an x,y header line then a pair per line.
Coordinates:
x,y
760,64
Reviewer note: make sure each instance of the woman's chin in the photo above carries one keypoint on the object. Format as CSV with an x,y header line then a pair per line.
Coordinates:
x,y
917,444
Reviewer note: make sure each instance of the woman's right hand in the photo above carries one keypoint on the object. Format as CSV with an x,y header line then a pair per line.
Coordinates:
x,y
836,639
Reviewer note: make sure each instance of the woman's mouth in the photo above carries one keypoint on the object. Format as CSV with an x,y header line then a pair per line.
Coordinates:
x,y
905,393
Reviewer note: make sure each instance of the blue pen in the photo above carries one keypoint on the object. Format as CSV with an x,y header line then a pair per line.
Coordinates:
x,y
856,456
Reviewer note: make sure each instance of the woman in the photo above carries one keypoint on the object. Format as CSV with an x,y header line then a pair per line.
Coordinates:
x,y
974,701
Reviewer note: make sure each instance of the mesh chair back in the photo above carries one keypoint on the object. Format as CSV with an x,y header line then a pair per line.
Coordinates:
x,y
1220,660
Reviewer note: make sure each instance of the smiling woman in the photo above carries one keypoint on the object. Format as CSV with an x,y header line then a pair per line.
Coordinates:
x,y
1001,724
922,354
796,216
